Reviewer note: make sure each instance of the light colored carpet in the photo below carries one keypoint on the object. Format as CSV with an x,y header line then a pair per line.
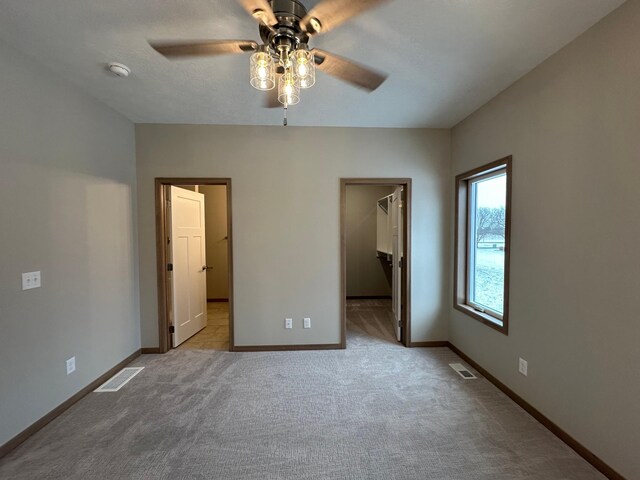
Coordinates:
x,y
374,411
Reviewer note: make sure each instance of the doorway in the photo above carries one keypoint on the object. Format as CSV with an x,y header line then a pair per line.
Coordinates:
x,y
194,262
375,260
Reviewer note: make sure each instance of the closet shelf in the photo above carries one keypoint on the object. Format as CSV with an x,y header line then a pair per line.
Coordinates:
x,y
388,256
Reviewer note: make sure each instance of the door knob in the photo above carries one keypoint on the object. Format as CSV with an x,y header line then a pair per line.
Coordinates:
x,y
204,267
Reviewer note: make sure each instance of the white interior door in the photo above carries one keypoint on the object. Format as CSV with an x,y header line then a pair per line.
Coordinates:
x,y
189,280
397,242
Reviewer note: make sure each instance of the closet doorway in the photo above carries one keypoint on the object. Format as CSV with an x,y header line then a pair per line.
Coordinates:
x,y
375,283
194,254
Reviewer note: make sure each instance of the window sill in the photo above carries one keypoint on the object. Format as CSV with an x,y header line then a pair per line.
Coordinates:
x,y
483,318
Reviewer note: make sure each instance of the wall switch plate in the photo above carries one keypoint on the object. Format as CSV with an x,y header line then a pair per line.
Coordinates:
x,y
307,322
71,365
522,366
288,323
30,280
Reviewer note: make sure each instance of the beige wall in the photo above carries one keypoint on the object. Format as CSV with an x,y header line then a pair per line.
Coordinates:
x,y
573,127
215,203
67,204
367,275
286,218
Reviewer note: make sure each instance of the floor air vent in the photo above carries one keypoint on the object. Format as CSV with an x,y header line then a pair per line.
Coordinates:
x,y
462,371
119,380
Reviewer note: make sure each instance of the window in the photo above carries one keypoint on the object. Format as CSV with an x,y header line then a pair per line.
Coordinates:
x,y
482,243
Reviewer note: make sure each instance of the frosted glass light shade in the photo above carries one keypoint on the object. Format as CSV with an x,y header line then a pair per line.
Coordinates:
x,y
262,71
288,89
304,68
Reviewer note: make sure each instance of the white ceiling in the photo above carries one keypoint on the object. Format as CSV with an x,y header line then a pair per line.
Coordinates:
x,y
445,58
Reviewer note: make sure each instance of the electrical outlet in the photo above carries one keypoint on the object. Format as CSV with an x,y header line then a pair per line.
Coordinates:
x,y
307,322
71,365
288,323
30,280
522,366
26,281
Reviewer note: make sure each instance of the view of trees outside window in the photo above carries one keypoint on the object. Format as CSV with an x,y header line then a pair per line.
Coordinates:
x,y
487,249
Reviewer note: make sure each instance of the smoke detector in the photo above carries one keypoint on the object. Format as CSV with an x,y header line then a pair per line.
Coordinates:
x,y
118,69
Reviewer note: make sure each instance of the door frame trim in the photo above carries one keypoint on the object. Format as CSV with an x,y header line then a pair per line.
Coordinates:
x,y
161,253
406,271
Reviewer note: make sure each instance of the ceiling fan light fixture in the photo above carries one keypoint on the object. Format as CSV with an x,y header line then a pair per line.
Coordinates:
x,y
262,70
285,30
288,89
304,67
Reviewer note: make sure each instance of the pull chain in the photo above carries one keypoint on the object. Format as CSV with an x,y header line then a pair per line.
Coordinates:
x,y
284,120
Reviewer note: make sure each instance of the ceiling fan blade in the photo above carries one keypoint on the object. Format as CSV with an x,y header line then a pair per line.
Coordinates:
x,y
271,99
204,48
260,10
328,14
347,70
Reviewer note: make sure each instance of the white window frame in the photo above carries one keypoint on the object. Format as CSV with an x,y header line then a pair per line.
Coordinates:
x,y
471,218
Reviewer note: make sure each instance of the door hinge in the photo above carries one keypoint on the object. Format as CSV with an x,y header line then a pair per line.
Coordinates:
x,y
401,263
172,329
170,267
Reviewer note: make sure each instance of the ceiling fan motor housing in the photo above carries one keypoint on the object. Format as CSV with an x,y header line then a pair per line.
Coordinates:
x,y
287,32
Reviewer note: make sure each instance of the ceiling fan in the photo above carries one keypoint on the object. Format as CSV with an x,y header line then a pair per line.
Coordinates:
x,y
284,57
